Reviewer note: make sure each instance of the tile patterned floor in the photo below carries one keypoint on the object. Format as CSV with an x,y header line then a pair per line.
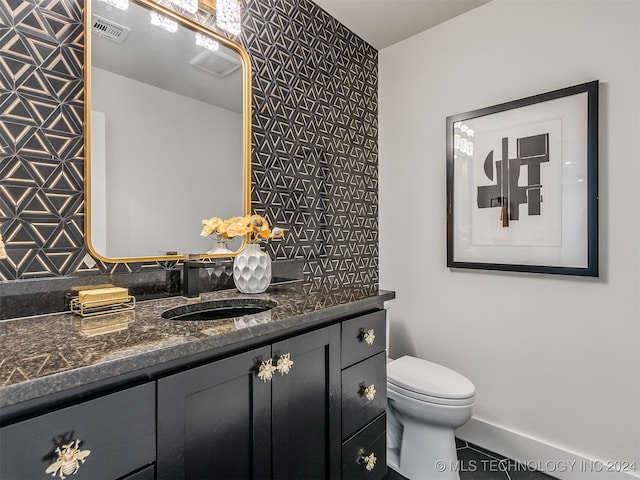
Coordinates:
x,y
477,463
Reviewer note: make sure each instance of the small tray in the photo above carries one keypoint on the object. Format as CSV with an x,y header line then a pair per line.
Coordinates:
x,y
89,309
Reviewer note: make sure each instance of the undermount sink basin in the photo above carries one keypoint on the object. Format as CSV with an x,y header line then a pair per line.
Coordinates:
x,y
219,309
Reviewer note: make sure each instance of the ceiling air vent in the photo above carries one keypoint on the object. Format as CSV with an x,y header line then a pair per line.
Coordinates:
x,y
216,63
108,29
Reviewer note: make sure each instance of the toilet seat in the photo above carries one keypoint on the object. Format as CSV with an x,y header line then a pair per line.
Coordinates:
x,y
429,382
450,402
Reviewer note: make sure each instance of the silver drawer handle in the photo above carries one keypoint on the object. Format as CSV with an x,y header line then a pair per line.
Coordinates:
x,y
69,459
266,370
284,364
369,461
368,392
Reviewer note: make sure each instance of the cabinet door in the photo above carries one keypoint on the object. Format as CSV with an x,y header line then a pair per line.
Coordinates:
x,y
306,407
214,421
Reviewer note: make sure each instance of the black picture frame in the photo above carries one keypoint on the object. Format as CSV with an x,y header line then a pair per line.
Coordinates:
x,y
530,165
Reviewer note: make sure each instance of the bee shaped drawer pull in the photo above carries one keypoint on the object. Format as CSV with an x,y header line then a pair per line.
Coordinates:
x,y
284,364
369,461
369,336
368,392
266,370
69,459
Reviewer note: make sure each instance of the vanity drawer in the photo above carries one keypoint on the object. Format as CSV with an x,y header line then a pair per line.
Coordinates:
x,y
362,337
370,440
118,430
359,405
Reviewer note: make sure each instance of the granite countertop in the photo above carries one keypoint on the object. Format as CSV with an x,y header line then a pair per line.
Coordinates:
x,y
47,354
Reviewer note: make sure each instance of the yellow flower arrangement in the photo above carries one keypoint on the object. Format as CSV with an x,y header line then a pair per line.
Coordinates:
x,y
254,227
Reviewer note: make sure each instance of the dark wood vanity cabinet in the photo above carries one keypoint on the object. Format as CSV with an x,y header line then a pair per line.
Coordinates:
x,y
226,419
221,420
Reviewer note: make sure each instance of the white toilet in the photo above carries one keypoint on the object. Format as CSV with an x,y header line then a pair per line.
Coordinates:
x,y
426,403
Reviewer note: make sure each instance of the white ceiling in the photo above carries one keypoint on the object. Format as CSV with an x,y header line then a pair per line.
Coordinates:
x,y
384,22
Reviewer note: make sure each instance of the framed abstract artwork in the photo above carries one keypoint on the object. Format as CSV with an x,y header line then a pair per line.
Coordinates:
x,y
522,184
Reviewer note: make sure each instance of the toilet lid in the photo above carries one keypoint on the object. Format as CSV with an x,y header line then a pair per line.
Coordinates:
x,y
428,378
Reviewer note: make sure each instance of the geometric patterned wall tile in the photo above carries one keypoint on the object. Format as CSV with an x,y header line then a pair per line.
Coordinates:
x,y
314,139
41,136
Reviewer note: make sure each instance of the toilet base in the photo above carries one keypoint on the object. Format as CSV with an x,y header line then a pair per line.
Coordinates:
x,y
436,461
426,403
393,458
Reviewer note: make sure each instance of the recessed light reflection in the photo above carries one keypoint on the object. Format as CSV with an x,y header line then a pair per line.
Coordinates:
x,y
121,4
190,6
163,22
206,42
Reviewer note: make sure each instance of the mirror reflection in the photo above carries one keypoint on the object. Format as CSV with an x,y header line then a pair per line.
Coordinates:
x,y
168,133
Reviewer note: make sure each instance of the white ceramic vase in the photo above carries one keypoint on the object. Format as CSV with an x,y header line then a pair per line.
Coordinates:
x,y
252,269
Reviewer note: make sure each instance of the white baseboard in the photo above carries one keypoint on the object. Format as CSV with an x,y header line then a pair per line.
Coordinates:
x,y
534,453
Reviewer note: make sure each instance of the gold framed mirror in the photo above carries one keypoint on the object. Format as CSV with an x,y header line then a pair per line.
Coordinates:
x,y
167,132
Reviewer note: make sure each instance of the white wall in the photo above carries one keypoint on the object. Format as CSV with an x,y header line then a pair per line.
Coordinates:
x,y
555,360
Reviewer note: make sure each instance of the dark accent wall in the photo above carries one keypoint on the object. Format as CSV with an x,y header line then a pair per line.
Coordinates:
x,y
314,140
